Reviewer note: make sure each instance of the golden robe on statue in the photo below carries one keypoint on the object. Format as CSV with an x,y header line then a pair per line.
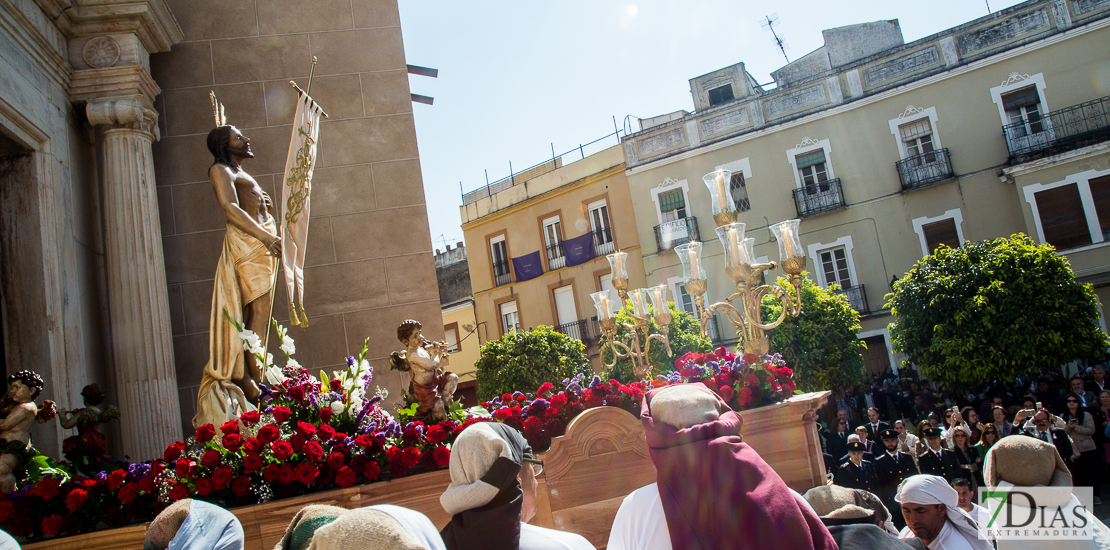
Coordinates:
x,y
246,272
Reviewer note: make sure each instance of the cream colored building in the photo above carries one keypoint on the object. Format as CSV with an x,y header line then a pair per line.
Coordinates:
x,y
886,149
533,215
456,301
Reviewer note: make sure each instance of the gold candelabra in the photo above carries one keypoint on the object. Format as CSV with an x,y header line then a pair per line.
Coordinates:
x,y
641,315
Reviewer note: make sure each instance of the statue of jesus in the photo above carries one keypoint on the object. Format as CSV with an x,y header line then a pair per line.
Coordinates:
x,y
245,277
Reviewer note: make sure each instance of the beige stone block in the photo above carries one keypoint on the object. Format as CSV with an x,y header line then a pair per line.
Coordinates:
x,y
192,257
204,19
339,95
271,147
376,13
386,92
323,343
341,52
380,325
165,211
343,190
177,316
181,159
382,233
189,111
190,355
398,183
411,279
321,251
261,58
365,140
196,305
195,208
289,16
186,64
349,286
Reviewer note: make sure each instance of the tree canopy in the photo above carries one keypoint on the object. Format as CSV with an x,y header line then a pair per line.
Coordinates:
x,y
685,335
523,361
994,309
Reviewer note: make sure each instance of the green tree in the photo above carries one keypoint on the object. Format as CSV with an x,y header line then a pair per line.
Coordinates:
x,y
821,343
523,361
685,335
994,309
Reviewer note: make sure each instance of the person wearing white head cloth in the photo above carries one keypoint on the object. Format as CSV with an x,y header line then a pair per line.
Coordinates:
x,y
930,507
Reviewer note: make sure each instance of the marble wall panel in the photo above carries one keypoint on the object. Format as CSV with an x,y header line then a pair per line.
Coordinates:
x,y
345,190
261,58
298,16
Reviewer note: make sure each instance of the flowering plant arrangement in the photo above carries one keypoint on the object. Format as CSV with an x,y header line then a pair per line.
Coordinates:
x,y
746,382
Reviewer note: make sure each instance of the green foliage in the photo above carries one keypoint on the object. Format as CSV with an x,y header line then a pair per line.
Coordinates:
x,y
821,343
525,360
685,335
994,309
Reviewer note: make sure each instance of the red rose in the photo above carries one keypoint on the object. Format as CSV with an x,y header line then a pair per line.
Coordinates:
x,y
411,456
364,440
436,434
146,484
744,396
558,400
442,455
116,478
726,393
222,476
251,418
173,451
232,442
52,525
336,461
205,433
298,441
6,509
306,430
282,450
346,477
241,486
270,472
750,358
286,475
296,393
210,458
76,498
281,414
306,473
393,454
372,471
179,492
398,469
183,467
314,451
204,486
253,445
251,463
325,432
127,493
335,384
268,433
230,427
339,436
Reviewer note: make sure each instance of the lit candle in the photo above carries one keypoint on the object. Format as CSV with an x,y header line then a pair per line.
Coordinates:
x,y
618,265
722,195
734,245
790,244
605,311
695,269
638,302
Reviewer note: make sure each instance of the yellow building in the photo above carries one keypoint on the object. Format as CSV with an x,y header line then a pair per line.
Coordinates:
x,y
528,218
887,149
459,324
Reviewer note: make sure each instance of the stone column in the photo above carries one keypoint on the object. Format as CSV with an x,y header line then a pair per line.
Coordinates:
x,y
141,335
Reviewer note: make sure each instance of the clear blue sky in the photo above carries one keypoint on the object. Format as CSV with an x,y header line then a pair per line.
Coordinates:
x,y
517,76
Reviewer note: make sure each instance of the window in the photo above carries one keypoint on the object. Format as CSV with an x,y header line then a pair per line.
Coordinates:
x,y
510,320
739,192
1063,219
686,303
451,336
602,229
553,239
605,282
1100,193
941,232
834,264
720,95
672,205
812,169
1023,109
499,255
917,137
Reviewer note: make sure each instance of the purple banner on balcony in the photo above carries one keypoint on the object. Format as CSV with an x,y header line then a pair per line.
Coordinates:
x,y
579,250
527,266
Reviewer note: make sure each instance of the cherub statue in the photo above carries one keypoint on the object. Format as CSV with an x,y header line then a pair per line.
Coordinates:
x,y
20,412
87,448
432,387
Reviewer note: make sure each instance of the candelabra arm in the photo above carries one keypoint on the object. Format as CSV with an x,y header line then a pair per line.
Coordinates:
x,y
616,346
665,339
784,296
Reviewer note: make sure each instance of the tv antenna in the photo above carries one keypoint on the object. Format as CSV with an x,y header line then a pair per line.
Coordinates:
x,y
768,23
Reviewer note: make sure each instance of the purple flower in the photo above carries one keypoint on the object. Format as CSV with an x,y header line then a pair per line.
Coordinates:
x,y
350,361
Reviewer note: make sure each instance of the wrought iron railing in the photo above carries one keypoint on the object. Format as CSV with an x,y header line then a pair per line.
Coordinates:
x,y
857,298
555,256
603,242
673,233
1058,131
925,168
501,274
584,330
812,199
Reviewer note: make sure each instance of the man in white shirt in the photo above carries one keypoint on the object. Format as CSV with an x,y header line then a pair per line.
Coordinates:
x,y
929,505
967,501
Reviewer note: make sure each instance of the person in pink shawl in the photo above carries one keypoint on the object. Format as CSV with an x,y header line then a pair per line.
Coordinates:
x,y
715,491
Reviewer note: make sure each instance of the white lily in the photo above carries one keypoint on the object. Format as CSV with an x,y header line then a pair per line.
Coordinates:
x,y
288,346
292,363
274,376
356,407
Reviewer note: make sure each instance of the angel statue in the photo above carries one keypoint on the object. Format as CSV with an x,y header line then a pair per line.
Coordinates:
x,y
432,387
87,448
20,413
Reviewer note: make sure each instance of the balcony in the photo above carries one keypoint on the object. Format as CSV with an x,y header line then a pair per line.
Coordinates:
x,y
603,242
584,330
501,274
673,233
555,257
857,298
819,197
1058,131
921,170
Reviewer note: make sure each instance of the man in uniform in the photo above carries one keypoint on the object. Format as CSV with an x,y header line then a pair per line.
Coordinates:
x,y
857,473
936,460
893,467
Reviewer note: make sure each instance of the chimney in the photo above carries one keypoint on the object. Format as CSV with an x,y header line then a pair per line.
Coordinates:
x,y
459,244
448,248
437,252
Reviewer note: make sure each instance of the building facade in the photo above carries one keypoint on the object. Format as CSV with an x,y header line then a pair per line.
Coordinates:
x,y
537,247
456,301
111,231
886,150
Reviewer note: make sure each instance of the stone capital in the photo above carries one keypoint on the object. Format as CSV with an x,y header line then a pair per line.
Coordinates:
x,y
123,113
149,20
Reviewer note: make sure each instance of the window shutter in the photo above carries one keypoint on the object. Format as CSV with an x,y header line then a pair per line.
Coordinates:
x,y
1020,98
671,200
809,159
1062,218
739,192
1100,191
915,129
942,232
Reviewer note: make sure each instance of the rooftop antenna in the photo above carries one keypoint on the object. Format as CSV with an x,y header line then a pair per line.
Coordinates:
x,y
768,23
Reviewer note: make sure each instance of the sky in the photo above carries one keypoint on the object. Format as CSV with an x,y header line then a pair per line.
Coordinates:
x,y
518,78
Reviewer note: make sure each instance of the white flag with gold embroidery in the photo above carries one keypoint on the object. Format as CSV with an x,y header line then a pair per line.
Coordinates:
x,y
296,203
